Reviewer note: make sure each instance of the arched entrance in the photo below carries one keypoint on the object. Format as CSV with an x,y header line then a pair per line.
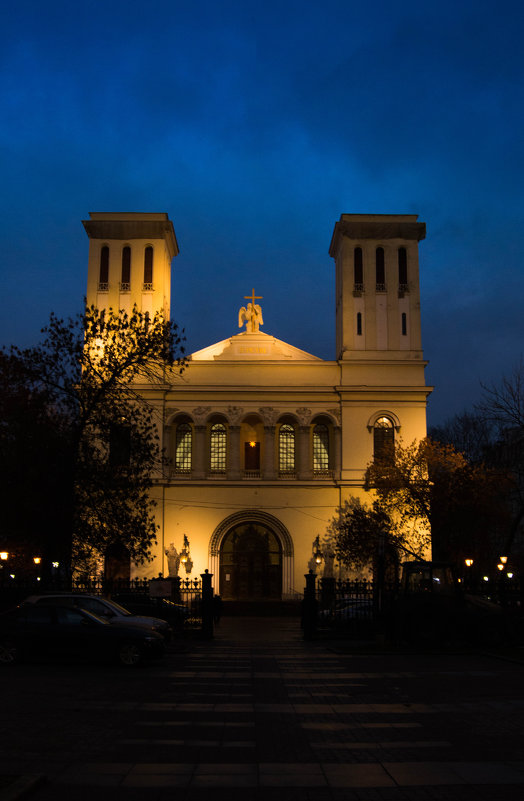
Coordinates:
x,y
250,563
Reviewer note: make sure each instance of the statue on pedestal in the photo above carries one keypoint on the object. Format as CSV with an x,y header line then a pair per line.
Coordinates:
x,y
173,561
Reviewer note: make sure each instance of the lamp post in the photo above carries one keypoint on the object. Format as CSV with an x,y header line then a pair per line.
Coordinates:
x,y
469,563
317,553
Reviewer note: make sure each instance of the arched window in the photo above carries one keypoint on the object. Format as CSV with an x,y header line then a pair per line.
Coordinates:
x,y
320,450
380,270
103,280
286,449
148,268
125,283
358,271
217,448
404,324
402,269
359,324
383,439
183,448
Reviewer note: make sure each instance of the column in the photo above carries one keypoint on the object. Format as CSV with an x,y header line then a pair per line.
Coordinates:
x,y
199,453
304,467
233,453
337,447
269,453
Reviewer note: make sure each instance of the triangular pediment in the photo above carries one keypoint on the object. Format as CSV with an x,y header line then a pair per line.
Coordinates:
x,y
252,347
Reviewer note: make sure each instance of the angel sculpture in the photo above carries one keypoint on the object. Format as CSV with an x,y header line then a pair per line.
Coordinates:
x,y
252,316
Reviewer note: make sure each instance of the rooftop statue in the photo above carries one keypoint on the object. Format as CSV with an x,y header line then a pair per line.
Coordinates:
x,y
251,315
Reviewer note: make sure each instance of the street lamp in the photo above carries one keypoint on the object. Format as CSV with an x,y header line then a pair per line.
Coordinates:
x,y
37,559
468,562
317,552
4,555
503,559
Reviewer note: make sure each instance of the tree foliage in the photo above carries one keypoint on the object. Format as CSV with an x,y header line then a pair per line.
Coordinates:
x,y
88,373
358,532
431,487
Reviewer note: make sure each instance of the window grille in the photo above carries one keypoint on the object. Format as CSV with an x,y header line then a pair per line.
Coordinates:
x,y
217,448
383,439
183,448
320,450
286,449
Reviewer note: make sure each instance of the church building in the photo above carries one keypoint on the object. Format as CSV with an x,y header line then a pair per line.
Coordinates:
x,y
264,440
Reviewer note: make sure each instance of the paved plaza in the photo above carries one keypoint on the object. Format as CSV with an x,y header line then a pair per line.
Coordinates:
x,y
259,714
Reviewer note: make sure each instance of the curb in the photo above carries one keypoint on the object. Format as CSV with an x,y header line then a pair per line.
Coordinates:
x,y
22,786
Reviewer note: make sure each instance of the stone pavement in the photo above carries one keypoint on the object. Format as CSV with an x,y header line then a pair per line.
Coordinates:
x,y
259,714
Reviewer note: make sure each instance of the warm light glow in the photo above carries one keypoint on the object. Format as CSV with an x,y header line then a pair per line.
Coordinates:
x,y
503,559
500,566
468,562
252,444
184,559
55,564
4,555
509,575
485,578
37,559
318,558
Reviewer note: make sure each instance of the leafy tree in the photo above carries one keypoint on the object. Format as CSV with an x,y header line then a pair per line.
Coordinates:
x,y
428,487
359,532
469,433
34,467
90,371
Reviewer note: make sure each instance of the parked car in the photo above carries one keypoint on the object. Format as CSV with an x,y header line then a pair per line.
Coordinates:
x,y
104,608
349,609
432,606
164,608
52,631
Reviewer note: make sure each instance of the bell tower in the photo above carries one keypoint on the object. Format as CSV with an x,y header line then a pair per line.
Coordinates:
x,y
130,257
377,286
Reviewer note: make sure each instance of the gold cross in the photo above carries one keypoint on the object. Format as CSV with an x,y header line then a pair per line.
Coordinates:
x,y
253,297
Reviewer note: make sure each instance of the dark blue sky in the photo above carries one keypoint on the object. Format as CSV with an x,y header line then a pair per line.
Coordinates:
x,y
255,125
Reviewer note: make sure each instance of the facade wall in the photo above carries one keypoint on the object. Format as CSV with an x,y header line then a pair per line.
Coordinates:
x,y
252,384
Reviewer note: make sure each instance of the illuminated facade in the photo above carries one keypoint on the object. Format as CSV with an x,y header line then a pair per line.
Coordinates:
x,y
265,441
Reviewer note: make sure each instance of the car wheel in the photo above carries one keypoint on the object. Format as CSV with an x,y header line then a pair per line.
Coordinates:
x,y
9,653
130,654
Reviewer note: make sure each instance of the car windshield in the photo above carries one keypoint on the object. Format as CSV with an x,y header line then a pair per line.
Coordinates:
x,y
120,609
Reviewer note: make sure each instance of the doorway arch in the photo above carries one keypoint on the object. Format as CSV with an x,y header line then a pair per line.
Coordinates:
x,y
251,557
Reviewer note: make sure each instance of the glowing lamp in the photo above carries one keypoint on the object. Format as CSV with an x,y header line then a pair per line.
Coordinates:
x,y
4,555
37,559
468,562
485,578
503,559
500,566
509,575
252,444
